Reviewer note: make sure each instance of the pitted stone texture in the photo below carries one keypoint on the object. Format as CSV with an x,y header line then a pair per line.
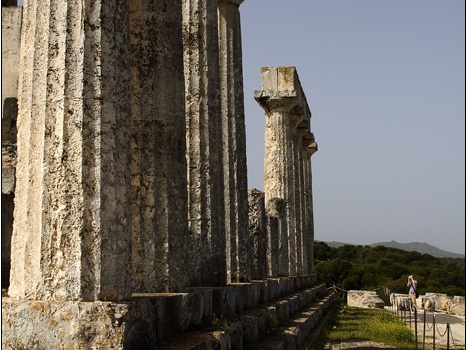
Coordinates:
x,y
365,299
234,141
11,38
258,234
63,324
205,177
72,235
161,256
457,307
8,168
278,247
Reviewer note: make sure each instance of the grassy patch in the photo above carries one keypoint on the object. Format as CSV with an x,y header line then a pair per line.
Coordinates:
x,y
351,323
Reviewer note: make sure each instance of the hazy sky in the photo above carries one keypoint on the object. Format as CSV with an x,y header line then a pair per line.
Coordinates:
x,y
385,82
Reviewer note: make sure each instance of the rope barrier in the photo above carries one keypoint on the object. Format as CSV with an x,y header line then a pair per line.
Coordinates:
x,y
412,308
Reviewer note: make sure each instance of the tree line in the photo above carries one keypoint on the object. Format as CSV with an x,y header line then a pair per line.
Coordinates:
x,y
368,268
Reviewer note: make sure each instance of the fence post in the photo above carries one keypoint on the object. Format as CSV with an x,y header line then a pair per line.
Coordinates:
x,y
424,328
434,333
447,330
415,325
410,317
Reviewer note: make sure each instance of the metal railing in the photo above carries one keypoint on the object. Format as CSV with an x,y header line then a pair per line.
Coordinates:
x,y
409,314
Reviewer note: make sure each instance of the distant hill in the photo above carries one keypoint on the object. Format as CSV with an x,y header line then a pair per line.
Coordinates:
x,y
423,248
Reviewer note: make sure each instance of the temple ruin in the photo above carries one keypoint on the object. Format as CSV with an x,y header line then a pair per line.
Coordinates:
x,y
127,222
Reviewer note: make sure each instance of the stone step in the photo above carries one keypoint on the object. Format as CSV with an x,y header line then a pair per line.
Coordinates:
x,y
298,329
171,314
273,324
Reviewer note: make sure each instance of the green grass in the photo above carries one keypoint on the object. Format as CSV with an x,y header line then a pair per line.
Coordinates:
x,y
376,325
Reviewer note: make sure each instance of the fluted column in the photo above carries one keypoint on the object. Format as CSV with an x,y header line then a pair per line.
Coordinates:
x,y
309,148
284,102
302,129
161,259
258,235
234,141
72,231
204,142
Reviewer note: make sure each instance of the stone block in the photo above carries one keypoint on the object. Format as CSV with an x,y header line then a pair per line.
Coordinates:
x,y
207,299
224,301
458,306
365,299
64,324
273,288
168,309
262,289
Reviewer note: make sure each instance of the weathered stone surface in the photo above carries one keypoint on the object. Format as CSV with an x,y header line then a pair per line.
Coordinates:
x,y
72,234
161,255
204,142
287,121
63,324
278,245
8,168
457,307
365,299
11,39
258,234
234,141
309,147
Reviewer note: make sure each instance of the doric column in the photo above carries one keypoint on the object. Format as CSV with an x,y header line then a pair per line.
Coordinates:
x,y
158,171
11,36
309,148
278,242
258,235
72,231
204,142
234,140
302,129
284,102
297,117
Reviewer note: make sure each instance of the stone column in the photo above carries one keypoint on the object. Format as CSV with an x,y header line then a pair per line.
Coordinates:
x,y
296,117
302,129
158,171
309,148
258,234
11,36
278,243
284,102
204,142
72,231
234,140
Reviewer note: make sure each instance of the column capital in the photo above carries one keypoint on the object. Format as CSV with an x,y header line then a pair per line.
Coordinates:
x,y
272,102
303,128
309,144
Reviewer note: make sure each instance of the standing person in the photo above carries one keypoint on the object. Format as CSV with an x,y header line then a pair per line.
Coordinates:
x,y
412,283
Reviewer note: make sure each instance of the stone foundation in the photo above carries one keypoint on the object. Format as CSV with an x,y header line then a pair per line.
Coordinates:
x,y
144,321
63,324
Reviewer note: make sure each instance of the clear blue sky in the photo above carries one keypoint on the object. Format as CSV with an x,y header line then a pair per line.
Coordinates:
x,y
385,81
